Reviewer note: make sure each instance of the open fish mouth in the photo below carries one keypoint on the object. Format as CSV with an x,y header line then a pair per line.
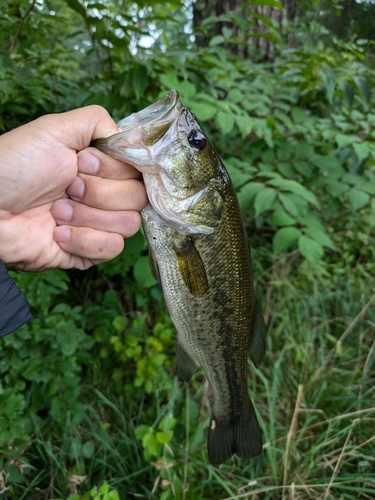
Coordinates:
x,y
160,114
144,128
148,126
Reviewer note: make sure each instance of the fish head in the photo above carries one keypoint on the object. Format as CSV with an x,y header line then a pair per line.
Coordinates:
x,y
183,174
140,131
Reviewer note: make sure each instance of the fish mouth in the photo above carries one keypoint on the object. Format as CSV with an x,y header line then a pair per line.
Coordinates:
x,y
160,114
142,129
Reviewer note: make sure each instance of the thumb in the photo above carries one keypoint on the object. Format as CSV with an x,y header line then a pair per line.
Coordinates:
x,y
77,128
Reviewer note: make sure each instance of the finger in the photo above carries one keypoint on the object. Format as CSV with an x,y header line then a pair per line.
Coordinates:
x,y
108,194
94,162
72,213
87,243
77,128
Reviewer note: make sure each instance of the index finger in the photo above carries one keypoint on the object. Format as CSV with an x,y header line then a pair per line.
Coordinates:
x,y
93,162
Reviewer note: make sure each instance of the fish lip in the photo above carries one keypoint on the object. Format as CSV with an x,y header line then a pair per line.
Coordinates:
x,y
156,111
144,127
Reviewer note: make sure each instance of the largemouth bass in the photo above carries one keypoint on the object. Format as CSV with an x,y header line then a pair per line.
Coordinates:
x,y
201,255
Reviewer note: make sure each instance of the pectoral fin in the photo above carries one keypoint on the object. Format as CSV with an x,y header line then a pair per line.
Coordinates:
x,y
257,347
185,365
192,269
153,266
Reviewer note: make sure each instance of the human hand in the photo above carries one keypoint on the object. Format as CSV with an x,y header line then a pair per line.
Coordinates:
x,y
62,203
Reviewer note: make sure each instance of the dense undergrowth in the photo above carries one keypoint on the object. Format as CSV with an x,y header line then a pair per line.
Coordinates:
x,y
111,408
90,402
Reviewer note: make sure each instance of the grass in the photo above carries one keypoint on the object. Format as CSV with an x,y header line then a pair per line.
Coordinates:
x,y
314,393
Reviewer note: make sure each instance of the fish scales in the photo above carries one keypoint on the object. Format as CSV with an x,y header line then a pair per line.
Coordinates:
x,y
205,276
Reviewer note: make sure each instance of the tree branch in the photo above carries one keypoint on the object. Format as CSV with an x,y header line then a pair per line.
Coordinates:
x,y
23,19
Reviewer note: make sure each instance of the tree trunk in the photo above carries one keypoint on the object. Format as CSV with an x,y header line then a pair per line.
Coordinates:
x,y
202,9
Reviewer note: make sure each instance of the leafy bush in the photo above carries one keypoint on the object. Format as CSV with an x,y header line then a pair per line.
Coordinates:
x,y
90,405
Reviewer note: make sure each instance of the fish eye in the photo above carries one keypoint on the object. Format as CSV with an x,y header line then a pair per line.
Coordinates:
x,y
197,140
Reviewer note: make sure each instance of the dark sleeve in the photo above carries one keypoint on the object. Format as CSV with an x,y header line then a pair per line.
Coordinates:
x,y
14,310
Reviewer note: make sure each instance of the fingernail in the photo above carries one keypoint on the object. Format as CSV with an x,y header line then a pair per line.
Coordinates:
x,y
62,210
77,188
88,163
62,234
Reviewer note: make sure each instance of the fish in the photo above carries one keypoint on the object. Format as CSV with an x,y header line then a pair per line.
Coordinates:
x,y
201,257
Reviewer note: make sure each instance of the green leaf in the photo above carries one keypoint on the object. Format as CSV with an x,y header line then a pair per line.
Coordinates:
x,y
348,93
264,200
266,3
285,237
164,436
104,488
329,79
142,430
289,204
245,124
286,169
303,168
344,140
248,193
294,187
217,40
77,7
364,90
88,449
119,323
225,121
310,249
280,217
298,115
358,199
330,165
227,33
353,179
142,273
368,187
140,78
186,89
320,237
336,188
169,80
235,95
361,150
113,495
203,110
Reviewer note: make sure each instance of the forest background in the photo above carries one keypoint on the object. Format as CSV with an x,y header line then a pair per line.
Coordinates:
x,y
90,402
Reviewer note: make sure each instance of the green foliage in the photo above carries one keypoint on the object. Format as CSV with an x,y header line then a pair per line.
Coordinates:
x,y
90,404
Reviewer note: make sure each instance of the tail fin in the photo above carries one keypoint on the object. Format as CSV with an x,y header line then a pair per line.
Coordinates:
x,y
225,439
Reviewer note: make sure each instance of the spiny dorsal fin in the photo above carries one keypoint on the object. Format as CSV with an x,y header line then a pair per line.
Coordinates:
x,y
192,269
257,347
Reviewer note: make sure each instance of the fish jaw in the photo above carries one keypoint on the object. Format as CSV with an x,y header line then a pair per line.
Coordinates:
x,y
140,131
